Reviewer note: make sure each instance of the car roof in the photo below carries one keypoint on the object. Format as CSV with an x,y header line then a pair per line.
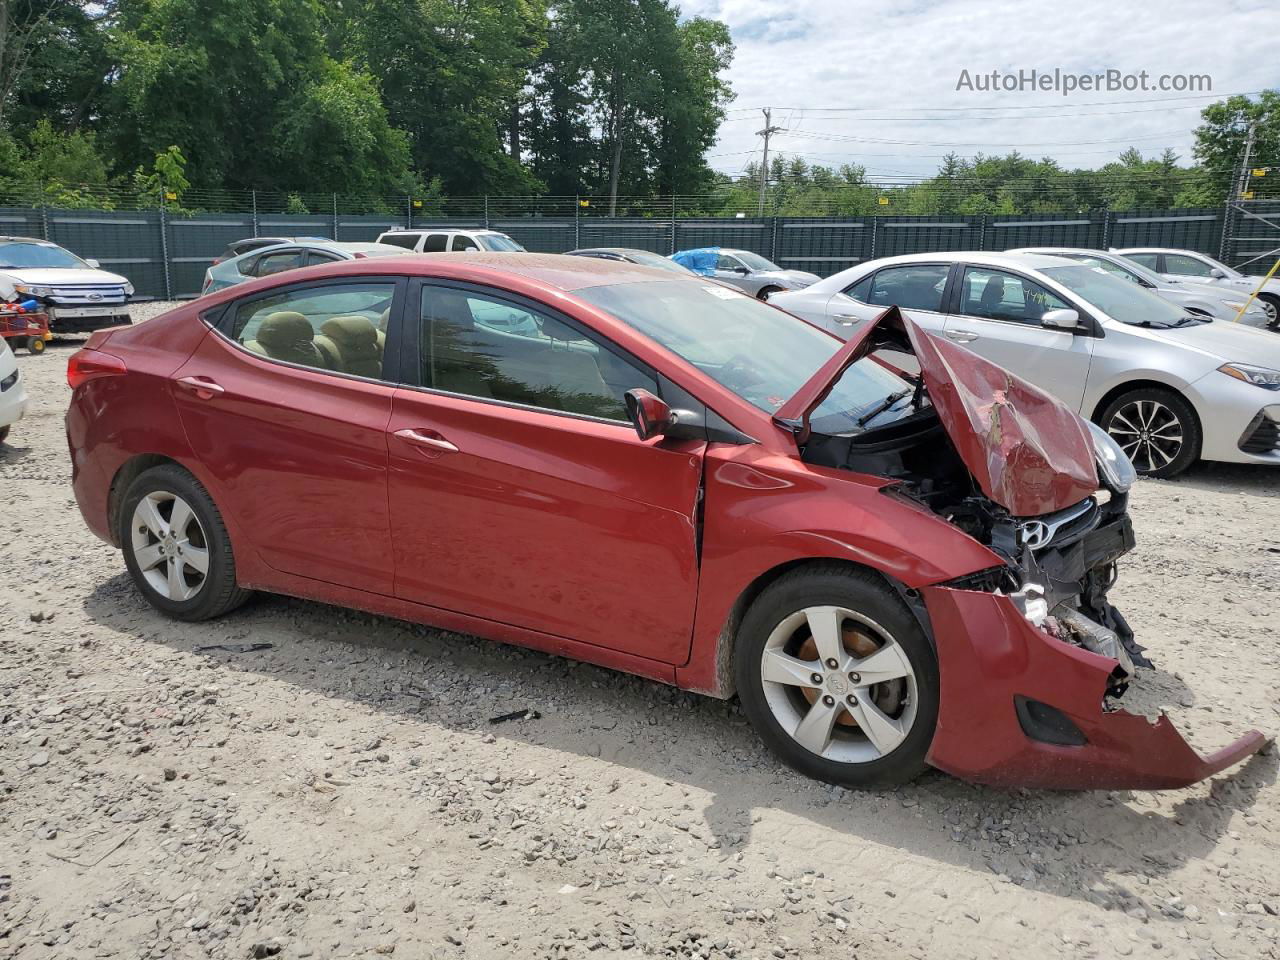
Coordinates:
x,y
442,229
42,242
1162,250
1013,261
618,250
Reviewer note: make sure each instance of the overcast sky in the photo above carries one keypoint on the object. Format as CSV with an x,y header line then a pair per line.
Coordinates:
x,y
897,59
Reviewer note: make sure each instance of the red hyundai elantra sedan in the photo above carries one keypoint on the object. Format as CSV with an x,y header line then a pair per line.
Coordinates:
x,y
893,552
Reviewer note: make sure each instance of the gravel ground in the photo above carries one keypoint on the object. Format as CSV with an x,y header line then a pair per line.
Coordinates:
x,y
342,793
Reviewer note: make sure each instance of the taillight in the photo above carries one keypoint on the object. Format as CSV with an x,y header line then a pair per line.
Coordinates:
x,y
88,364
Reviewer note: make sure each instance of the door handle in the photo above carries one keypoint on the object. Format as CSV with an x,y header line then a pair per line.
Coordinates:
x,y
961,336
202,387
845,319
436,443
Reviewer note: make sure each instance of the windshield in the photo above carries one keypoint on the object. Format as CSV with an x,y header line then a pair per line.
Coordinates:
x,y
1118,299
757,351
1121,267
499,241
755,261
17,255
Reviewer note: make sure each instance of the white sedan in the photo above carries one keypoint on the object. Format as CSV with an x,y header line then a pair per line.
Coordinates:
x,y
1171,387
13,392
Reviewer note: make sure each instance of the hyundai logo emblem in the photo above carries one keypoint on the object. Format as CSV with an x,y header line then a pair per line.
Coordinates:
x,y
1035,534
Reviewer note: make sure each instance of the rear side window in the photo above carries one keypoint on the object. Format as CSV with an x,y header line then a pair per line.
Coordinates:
x,y
463,242
407,240
340,327
435,243
491,349
861,291
270,263
912,287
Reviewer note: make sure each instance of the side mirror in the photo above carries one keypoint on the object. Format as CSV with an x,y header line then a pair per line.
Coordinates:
x,y
1068,321
742,270
1217,274
93,263
648,414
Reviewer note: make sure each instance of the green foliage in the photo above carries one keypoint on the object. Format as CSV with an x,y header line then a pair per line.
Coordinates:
x,y
1220,142
293,203
166,182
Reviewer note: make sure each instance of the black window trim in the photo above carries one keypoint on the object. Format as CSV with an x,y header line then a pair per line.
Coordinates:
x,y
222,322
411,360
1087,319
950,265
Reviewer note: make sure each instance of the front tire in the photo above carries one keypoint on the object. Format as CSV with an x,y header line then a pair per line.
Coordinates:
x,y
176,546
766,292
1157,429
1271,304
838,677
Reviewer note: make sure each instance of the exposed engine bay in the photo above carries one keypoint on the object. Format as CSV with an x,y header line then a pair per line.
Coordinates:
x,y
1059,566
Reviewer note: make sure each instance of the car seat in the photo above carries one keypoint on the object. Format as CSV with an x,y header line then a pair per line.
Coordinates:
x,y
992,294
355,344
288,336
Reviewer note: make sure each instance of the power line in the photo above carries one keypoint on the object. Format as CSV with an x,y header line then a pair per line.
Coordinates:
x,y
982,143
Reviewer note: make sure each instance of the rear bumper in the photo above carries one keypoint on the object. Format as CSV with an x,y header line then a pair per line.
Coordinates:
x,y
86,320
989,656
13,403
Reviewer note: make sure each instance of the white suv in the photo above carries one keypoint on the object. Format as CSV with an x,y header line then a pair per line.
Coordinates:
x,y
443,239
13,392
77,295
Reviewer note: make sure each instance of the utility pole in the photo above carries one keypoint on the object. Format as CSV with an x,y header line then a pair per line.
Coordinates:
x,y
764,163
1242,181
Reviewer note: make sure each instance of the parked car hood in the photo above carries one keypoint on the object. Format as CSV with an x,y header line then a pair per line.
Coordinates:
x,y
796,278
51,276
1223,340
1028,452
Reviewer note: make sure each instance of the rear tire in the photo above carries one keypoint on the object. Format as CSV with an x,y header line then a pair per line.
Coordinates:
x,y
4,434
1156,428
36,344
176,546
1271,303
804,668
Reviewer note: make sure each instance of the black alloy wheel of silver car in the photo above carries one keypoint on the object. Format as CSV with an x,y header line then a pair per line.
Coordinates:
x,y
176,546
1157,429
837,676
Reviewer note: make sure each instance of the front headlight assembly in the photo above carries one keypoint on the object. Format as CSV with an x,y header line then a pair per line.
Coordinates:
x,y
33,290
128,289
1113,463
1263,377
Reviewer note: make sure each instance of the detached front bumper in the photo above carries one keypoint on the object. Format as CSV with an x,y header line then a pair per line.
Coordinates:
x,y
87,319
993,663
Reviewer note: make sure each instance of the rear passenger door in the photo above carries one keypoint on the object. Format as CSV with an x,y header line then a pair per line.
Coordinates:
x,y
997,316
520,492
286,405
915,288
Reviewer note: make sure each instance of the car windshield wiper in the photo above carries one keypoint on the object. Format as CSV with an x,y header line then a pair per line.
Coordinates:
x,y
1189,319
882,406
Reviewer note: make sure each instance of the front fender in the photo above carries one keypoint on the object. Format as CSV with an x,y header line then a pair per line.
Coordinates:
x,y
764,512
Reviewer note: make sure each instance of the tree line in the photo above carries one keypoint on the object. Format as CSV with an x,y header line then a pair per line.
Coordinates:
x,y
463,98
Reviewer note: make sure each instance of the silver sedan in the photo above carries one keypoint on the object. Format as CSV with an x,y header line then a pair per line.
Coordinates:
x,y
265,261
752,273
1170,387
1202,268
1218,302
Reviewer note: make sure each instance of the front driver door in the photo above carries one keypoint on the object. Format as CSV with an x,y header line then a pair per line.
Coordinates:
x,y
518,491
997,316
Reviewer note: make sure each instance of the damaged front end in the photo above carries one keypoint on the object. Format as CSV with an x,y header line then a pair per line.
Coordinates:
x,y
1033,658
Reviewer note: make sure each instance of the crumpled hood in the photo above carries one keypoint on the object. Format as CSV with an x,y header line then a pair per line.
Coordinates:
x,y
59,276
1028,452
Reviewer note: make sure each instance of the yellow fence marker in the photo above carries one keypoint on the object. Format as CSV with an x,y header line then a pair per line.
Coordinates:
x,y
1254,296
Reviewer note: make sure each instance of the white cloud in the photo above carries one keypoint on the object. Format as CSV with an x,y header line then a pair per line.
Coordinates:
x,y
799,55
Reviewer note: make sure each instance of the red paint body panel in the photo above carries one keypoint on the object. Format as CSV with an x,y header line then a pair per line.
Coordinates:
x,y
764,510
307,476
988,654
563,525
1029,452
572,536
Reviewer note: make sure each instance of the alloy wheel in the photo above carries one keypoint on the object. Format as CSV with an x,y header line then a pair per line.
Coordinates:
x,y
1150,434
169,546
839,684
1271,310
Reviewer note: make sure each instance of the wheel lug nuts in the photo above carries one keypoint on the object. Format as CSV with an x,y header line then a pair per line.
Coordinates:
x,y
829,701
851,700
855,677
816,678
831,664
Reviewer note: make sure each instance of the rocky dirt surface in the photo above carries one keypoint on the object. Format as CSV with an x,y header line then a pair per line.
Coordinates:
x,y
167,791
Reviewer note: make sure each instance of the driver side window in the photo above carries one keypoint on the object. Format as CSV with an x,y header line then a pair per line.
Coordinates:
x,y
492,349
724,262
